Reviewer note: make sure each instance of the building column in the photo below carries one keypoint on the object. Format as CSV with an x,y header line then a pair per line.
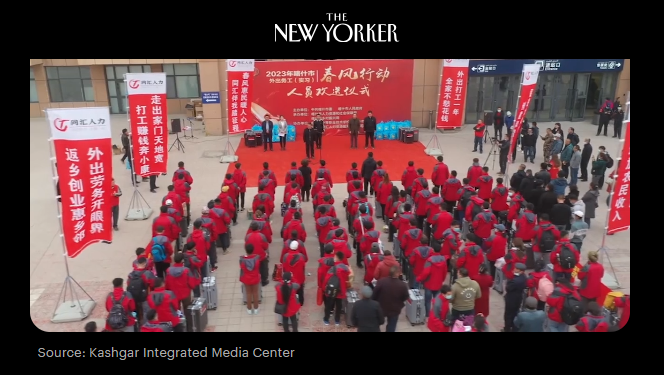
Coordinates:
x,y
210,78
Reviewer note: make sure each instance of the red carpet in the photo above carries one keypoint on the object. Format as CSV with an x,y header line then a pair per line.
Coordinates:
x,y
338,156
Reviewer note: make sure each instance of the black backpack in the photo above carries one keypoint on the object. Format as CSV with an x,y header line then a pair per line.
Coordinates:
x,y
566,258
117,316
465,198
572,310
547,242
333,286
609,161
137,287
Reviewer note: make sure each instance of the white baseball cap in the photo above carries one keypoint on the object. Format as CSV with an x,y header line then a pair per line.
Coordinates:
x,y
578,213
205,210
294,245
169,202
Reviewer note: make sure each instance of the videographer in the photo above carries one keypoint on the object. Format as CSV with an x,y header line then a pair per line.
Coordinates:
x,y
504,152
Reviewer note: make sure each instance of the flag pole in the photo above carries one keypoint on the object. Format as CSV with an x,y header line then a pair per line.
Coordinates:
x,y
515,135
229,152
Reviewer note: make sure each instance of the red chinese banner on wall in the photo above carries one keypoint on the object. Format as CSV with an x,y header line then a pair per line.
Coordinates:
x,y
619,217
452,98
336,89
240,76
528,85
148,114
82,144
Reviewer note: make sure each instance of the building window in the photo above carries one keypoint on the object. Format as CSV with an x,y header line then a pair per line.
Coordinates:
x,y
117,89
70,84
182,81
34,98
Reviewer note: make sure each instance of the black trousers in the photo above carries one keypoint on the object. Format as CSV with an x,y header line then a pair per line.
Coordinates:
x,y
330,305
502,161
498,131
267,138
603,123
368,189
305,193
282,142
265,272
116,215
617,129
319,139
509,316
368,136
450,205
322,249
420,221
382,206
212,253
223,241
584,170
161,268
126,155
293,323
311,152
153,182
242,200
353,139
300,295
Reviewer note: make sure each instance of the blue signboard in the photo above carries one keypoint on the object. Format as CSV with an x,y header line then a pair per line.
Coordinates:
x,y
210,97
506,67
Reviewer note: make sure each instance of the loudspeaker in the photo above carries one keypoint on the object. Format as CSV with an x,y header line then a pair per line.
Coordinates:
x,y
176,127
488,118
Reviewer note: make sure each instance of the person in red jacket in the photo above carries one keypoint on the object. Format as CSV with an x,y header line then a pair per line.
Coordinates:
x,y
171,229
484,222
154,325
123,298
410,238
187,176
269,184
432,277
450,191
378,175
334,303
288,215
116,193
419,182
360,221
173,212
533,282
263,198
295,225
324,264
485,281
562,267
287,291
421,199
514,256
441,309
555,303
332,234
198,237
142,254
473,208
441,222
409,175
450,241
328,203
351,175
341,244
327,175
161,250
320,184
195,265
418,257
228,204
371,261
471,256
178,205
240,178
594,320
300,246
180,281
496,246
623,304
294,263
542,247
261,244
474,173
440,173
370,237
292,192
517,203
591,278
182,189
233,188
222,222
383,193
499,196
354,185
526,224
434,206
324,226
270,174
485,184
250,276
165,303
294,174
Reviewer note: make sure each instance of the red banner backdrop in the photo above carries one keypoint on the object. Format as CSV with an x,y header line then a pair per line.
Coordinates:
x,y
82,143
240,78
452,98
148,115
619,219
528,84
336,89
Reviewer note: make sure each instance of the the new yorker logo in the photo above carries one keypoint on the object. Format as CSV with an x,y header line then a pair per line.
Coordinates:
x,y
336,32
63,124
136,83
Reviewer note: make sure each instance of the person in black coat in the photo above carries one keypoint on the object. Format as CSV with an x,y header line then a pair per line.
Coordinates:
x,y
498,123
368,167
535,194
514,291
309,138
618,122
504,152
267,127
544,175
547,201
561,214
319,127
527,184
306,176
517,177
586,154
367,315
369,129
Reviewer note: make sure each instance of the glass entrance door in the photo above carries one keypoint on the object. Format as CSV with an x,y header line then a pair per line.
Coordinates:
x,y
581,81
563,94
473,101
541,107
489,93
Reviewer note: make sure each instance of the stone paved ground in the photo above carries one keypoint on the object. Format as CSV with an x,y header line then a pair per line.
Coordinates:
x,y
99,264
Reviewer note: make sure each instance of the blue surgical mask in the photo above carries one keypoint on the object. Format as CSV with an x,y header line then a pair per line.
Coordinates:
x,y
458,230
448,296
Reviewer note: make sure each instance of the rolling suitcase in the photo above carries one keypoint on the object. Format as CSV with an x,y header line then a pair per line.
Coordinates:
x,y
396,249
244,294
196,315
349,303
209,292
499,281
415,312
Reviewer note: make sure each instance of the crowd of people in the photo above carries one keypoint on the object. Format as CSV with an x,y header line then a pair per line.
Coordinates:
x,y
455,238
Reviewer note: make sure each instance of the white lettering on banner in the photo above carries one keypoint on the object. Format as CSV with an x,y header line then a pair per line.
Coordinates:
x,y
622,189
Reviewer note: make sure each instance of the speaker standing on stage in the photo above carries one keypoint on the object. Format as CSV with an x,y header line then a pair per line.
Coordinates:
x,y
282,128
267,126
369,129
319,127
309,139
354,130
498,122
504,152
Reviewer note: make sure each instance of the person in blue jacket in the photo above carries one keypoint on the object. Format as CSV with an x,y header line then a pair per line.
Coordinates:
x,y
509,121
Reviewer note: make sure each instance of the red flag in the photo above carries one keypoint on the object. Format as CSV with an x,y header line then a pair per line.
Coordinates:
x,y
528,85
452,97
619,218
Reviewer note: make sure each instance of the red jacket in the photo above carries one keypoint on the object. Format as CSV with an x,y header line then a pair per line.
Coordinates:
x,y
233,188
471,257
293,303
544,226
591,323
228,204
259,241
149,266
291,191
117,295
408,177
441,222
270,176
349,175
474,173
250,269
359,224
319,198
383,269
534,280
288,216
327,175
324,265
323,227
418,184
556,253
377,176
300,249
187,176
497,247
418,257
482,305
355,208
115,200
516,205
440,308
209,224
451,242
623,303
195,265
263,199
511,259
240,178
353,186
556,301
440,174
182,189
294,171
197,236
371,261
175,214
383,192
269,186
422,201
475,204
343,272
297,226
483,224
166,304
343,246
367,240
434,272
155,326
391,206
450,190
294,262
175,198
163,241
410,239
479,130
171,227
433,207
320,185
591,280
526,225
499,197
331,235
402,222
485,184
180,281
221,219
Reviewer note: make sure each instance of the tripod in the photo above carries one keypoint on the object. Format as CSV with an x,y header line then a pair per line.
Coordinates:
x,y
191,130
492,153
177,143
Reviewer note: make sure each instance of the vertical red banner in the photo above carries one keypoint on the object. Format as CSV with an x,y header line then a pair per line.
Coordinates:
x,y
240,77
148,114
528,86
82,144
452,98
619,217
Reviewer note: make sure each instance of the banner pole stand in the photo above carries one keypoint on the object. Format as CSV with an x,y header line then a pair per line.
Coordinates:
x,y
71,308
515,137
433,147
139,209
229,152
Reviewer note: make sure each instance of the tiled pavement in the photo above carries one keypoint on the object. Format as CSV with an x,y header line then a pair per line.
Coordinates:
x,y
99,264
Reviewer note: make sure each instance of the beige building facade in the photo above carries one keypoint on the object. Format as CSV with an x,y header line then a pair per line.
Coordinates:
x,y
67,83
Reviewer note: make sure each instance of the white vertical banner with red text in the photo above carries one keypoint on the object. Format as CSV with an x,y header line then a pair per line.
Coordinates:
x,y
529,77
452,97
240,82
619,216
148,114
83,153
